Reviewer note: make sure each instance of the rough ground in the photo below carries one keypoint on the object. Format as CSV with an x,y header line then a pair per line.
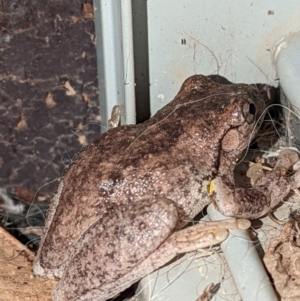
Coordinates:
x,y
48,89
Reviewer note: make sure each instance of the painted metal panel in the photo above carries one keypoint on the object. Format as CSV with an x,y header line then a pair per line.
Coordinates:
x,y
230,38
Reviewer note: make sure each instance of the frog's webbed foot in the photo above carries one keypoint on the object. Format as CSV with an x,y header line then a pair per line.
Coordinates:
x,y
267,192
204,234
239,201
294,180
288,159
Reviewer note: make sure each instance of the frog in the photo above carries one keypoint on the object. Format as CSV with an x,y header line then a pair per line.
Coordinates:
x,y
122,207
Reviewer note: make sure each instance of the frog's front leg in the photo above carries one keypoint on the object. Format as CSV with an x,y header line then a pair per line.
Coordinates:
x,y
267,192
254,202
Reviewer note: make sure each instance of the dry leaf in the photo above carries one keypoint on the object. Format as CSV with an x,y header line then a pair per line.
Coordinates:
x,y
17,281
87,11
22,124
82,139
50,103
282,261
74,19
85,97
69,88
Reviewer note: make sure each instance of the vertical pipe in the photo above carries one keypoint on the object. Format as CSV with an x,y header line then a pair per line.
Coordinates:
x,y
287,63
111,59
128,62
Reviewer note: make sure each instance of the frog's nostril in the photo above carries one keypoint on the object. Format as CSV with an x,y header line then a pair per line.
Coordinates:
x,y
252,109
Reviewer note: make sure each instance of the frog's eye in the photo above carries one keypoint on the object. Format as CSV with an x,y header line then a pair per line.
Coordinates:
x,y
252,109
249,110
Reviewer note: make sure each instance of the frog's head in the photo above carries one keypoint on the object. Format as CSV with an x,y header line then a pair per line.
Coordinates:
x,y
242,118
222,119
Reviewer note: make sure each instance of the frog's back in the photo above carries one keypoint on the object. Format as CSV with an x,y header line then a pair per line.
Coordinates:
x,y
172,155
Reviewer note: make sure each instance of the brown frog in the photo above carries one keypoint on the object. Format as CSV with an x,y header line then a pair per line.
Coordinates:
x,y
119,208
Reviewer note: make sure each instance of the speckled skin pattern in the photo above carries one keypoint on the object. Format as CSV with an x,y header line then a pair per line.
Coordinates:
x,y
132,188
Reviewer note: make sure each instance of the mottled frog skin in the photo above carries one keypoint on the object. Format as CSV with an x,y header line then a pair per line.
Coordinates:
x,y
121,202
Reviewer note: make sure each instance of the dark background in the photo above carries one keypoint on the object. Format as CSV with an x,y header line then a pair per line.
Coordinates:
x,y
48,89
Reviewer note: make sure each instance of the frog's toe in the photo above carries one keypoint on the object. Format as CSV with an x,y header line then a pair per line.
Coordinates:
x,y
294,180
206,234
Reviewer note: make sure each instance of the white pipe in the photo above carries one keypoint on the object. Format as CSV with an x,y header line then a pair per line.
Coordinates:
x,y
114,45
287,62
128,61
245,265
